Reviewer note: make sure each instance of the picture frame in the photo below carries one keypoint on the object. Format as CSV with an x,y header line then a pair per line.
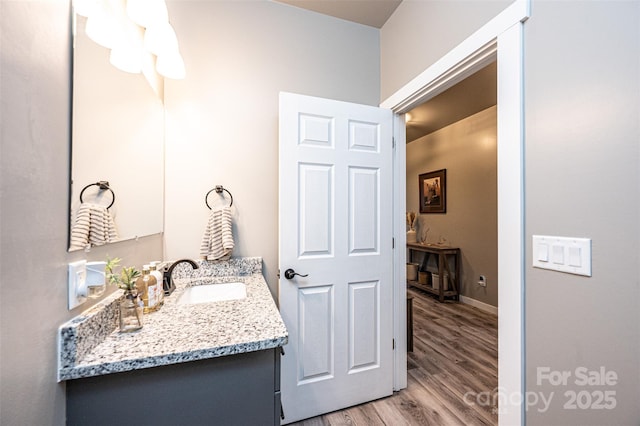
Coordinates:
x,y
433,191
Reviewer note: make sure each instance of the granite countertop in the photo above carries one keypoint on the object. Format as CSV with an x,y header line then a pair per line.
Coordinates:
x,y
89,345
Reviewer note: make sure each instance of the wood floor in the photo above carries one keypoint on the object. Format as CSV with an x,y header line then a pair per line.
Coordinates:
x,y
454,359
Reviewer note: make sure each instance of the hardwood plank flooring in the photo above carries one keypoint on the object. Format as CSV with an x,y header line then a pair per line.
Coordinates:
x,y
455,353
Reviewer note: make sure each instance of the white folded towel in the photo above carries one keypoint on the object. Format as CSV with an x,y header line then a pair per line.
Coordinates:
x,y
217,241
93,226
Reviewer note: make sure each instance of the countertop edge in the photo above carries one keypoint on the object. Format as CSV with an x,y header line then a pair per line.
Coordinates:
x,y
86,371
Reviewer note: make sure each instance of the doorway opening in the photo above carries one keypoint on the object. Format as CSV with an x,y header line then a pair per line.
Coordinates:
x,y
456,132
501,40
453,346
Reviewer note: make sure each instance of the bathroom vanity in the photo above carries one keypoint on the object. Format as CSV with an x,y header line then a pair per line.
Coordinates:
x,y
193,363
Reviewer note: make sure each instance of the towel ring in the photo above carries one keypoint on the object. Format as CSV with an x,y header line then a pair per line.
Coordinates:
x,y
218,189
102,185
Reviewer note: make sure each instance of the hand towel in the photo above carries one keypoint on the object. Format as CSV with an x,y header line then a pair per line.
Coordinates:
x,y
217,241
93,226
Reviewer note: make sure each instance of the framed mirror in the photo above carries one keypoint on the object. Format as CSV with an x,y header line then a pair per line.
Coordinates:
x,y
117,137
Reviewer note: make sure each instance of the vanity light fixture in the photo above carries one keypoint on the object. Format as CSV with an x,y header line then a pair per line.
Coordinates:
x,y
134,30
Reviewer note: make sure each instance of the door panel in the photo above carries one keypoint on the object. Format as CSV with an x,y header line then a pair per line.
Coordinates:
x,y
336,227
364,136
364,325
363,210
316,333
316,130
315,209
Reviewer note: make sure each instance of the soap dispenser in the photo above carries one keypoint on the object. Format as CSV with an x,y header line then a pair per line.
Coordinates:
x,y
153,269
148,286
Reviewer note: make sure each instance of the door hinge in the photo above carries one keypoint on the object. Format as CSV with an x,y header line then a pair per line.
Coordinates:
x,y
394,344
393,243
393,142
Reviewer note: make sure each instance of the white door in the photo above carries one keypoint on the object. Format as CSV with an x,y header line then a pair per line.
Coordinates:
x,y
336,227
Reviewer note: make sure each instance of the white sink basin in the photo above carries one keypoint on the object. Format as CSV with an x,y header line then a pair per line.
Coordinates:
x,y
213,293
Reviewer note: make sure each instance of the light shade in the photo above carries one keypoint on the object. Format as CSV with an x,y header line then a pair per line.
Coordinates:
x,y
127,53
147,12
127,59
102,25
171,65
134,29
160,39
149,72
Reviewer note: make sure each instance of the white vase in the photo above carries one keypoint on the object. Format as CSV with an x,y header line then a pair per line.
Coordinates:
x,y
411,236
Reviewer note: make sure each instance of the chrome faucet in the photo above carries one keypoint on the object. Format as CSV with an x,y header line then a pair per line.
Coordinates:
x,y
168,286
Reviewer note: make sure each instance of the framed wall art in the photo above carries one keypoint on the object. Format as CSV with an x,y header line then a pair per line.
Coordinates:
x,y
433,192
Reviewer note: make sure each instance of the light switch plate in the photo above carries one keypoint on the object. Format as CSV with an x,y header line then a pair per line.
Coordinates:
x,y
570,255
77,286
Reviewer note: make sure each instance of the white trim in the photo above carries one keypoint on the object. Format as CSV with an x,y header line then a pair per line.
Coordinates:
x,y
478,304
399,255
465,59
511,224
502,36
440,80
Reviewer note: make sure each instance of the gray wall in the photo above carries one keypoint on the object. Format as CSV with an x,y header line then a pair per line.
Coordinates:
x,y
582,69
34,192
582,119
582,115
222,125
467,149
421,31
239,56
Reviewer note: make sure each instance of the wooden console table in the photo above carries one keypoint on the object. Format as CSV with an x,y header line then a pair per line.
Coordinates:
x,y
442,252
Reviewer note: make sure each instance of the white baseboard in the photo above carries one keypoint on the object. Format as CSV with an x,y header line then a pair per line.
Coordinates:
x,y
480,305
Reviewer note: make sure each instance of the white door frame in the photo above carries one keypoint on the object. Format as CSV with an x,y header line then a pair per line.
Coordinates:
x,y
500,38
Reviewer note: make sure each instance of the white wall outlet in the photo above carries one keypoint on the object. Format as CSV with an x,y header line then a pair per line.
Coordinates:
x,y
77,287
482,281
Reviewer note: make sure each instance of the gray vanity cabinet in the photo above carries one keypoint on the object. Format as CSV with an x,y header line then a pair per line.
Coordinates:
x,y
241,389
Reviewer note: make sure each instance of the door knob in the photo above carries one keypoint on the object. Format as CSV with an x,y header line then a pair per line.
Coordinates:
x,y
290,273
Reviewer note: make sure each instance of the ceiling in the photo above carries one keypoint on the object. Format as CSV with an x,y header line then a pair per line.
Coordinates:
x,y
477,92
472,95
373,13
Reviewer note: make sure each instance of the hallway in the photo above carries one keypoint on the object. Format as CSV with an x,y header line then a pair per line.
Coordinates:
x,y
454,359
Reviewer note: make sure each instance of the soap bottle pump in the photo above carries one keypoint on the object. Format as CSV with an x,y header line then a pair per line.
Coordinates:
x,y
149,288
153,270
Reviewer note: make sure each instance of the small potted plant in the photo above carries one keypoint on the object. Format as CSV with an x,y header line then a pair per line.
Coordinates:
x,y
130,308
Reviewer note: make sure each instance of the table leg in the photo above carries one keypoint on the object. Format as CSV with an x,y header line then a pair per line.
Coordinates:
x,y
457,259
441,260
